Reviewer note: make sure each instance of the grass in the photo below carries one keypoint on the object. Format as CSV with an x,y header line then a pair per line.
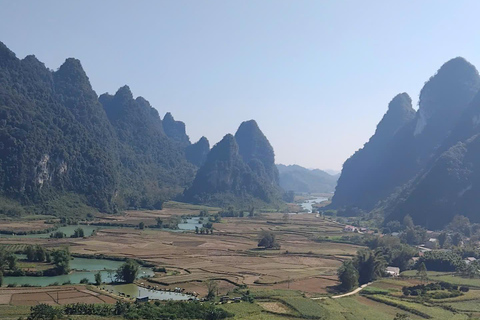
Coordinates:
x,y
425,311
8,312
247,311
353,308
306,307
447,277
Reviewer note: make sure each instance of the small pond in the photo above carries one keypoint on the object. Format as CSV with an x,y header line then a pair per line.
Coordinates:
x,y
81,268
135,291
190,224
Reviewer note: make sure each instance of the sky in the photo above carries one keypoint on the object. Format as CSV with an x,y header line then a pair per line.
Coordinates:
x,y
317,76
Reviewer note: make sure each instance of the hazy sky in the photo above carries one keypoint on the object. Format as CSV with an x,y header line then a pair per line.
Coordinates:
x,y
316,75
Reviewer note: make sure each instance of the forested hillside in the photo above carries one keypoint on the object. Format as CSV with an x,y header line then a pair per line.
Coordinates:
x,y
59,141
238,170
63,147
428,167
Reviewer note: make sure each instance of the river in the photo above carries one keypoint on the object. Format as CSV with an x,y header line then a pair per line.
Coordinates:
x,y
308,204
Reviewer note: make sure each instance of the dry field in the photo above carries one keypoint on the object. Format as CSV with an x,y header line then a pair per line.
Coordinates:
x,y
230,255
18,226
51,295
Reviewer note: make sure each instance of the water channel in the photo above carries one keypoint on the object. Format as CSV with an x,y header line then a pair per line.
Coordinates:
x,y
86,268
82,268
188,224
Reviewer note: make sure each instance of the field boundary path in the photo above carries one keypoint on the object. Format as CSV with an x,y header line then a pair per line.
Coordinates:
x,y
346,294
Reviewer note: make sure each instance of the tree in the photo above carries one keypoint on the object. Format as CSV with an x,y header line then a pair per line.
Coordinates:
x,y
414,236
370,265
40,253
408,222
159,222
78,233
422,272
1,278
61,259
401,316
267,240
461,225
128,271
44,311
98,278
141,225
212,287
457,239
30,252
442,239
348,276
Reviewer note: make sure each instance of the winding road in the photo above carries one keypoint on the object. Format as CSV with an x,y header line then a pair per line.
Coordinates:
x,y
346,294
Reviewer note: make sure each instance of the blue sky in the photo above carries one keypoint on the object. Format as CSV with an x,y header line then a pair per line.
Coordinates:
x,y
316,75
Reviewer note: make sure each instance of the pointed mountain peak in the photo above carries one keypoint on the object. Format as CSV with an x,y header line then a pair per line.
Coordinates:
x,y
203,140
447,94
250,125
72,64
124,92
175,130
253,143
168,117
400,111
400,102
224,149
71,71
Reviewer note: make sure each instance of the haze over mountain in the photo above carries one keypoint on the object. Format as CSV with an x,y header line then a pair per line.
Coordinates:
x,y
303,180
238,169
425,164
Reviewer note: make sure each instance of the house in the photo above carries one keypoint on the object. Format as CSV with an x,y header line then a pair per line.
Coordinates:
x,y
349,228
432,243
469,260
142,299
393,271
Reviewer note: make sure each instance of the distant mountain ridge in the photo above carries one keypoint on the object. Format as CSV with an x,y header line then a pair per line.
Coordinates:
x,y
303,180
429,166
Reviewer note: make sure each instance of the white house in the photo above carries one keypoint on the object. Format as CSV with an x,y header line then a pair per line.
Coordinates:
x,y
393,271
